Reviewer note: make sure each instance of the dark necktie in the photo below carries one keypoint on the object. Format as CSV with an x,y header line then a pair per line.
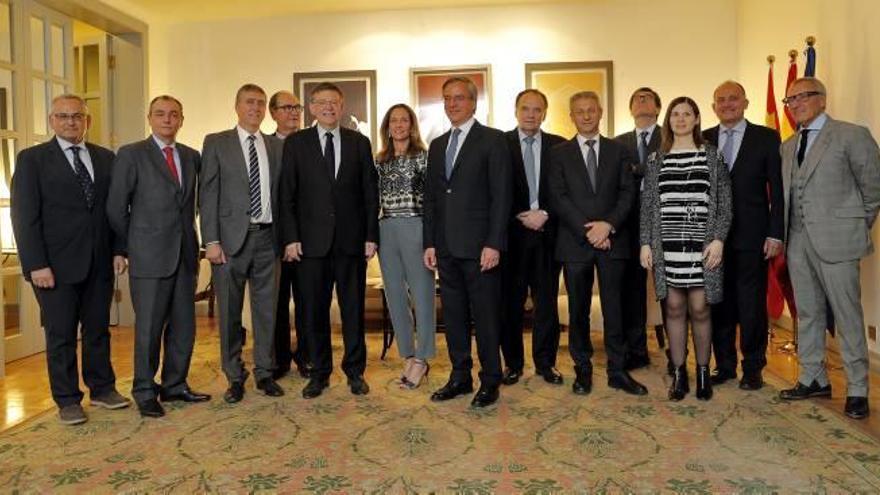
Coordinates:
x,y
531,176
169,159
643,146
450,152
330,155
592,163
802,147
727,151
256,206
83,177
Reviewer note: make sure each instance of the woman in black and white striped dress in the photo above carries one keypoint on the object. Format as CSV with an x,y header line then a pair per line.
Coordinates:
x,y
685,216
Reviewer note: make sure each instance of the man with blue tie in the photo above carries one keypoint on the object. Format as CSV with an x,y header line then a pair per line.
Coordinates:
x,y
238,205
69,254
467,205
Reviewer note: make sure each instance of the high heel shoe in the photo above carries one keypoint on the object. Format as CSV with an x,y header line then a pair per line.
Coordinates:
x,y
417,374
407,367
704,383
679,387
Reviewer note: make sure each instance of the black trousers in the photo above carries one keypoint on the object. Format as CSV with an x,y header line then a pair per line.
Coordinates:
x,y
317,277
745,302
284,352
465,291
63,310
164,312
529,266
579,284
634,307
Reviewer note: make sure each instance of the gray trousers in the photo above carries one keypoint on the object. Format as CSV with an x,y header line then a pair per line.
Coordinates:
x,y
405,277
813,281
164,310
257,265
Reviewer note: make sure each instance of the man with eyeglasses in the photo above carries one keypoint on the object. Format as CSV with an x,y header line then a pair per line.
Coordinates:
x,y
238,207
831,180
286,110
751,153
330,216
69,255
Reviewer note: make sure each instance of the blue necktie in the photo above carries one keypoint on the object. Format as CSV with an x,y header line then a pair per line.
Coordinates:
x,y
643,146
727,151
592,164
450,152
256,206
531,176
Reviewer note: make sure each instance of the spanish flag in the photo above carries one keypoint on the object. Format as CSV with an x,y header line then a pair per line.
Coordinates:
x,y
788,125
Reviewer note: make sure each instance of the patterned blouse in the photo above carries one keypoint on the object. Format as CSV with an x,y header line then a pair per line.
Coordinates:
x,y
402,185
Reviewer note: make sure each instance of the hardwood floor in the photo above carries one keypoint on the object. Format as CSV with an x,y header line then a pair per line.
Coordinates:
x,y
24,392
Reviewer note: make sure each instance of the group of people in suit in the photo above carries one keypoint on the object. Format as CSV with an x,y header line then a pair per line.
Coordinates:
x,y
498,216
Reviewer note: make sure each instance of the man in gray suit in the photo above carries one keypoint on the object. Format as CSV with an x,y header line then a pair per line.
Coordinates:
x,y
831,181
151,205
238,205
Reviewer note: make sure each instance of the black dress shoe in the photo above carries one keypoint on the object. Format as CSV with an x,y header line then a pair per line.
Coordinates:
x,y
621,380
187,395
486,396
857,407
358,385
151,408
801,391
720,376
704,383
583,383
451,390
269,387
637,362
511,376
751,381
550,375
315,387
234,393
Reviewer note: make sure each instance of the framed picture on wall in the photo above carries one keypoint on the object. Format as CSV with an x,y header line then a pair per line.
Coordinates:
x,y
427,96
561,80
359,88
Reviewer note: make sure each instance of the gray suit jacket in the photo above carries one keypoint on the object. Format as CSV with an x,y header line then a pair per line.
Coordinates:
x,y
224,193
148,208
841,195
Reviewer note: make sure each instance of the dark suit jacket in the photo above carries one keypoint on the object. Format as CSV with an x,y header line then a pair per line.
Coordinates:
x,y
151,211
53,227
224,192
469,211
520,202
576,204
324,213
758,165
630,140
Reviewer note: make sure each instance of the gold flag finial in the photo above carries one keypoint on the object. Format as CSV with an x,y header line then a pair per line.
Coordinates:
x,y
811,40
792,54
771,59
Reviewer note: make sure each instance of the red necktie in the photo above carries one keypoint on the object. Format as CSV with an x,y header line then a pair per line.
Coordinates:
x,y
169,159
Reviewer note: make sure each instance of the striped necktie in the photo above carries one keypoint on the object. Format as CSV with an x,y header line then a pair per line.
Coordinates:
x,y
256,206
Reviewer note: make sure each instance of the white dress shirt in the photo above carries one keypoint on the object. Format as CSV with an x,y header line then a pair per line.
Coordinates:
x,y
582,142
161,144
83,155
739,131
265,177
337,145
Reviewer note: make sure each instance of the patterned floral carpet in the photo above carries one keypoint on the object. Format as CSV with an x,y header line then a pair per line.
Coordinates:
x,y
540,439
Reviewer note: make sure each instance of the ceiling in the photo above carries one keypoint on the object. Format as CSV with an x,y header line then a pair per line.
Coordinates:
x,y
204,10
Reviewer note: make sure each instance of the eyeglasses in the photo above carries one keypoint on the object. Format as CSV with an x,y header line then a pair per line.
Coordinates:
x,y
76,117
800,97
290,108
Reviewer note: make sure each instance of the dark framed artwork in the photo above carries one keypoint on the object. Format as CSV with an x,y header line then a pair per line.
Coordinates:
x,y
560,80
427,96
359,89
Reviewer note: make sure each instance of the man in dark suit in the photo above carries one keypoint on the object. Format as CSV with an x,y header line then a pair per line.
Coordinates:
x,y
751,153
238,206
529,265
330,211
69,254
467,208
151,205
591,191
644,106
286,111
